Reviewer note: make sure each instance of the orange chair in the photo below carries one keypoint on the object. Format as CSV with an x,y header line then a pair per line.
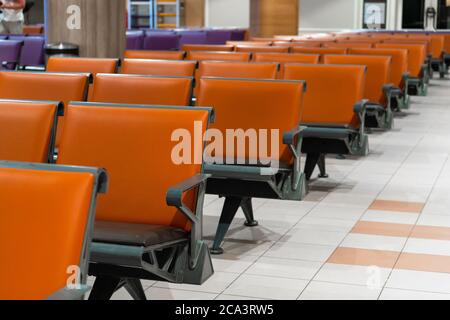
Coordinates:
x,y
243,171
311,44
242,70
255,49
149,224
399,73
27,130
283,58
138,89
377,88
46,224
250,43
84,65
154,54
63,87
218,56
170,68
335,120
207,47
348,44
320,51
418,70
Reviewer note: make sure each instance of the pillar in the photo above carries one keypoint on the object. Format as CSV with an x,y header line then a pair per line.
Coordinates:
x,y
274,17
97,26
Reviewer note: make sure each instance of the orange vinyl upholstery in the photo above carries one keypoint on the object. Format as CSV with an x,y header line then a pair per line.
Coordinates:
x,y
207,47
253,104
44,222
154,54
378,73
218,56
63,87
250,43
344,87
349,44
138,89
399,63
235,70
254,49
416,55
27,130
84,65
320,51
283,58
135,146
170,68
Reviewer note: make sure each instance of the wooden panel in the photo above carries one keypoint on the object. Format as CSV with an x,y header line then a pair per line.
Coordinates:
x,y
274,17
102,32
194,13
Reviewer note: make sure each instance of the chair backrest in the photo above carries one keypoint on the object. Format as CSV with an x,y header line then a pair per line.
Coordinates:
x,y
135,144
218,36
241,70
320,51
399,62
160,40
63,87
218,56
192,37
254,105
27,130
155,54
283,58
32,54
50,209
254,49
348,44
135,40
139,89
378,73
312,44
10,53
87,65
170,68
416,55
207,47
425,42
343,85
437,46
249,43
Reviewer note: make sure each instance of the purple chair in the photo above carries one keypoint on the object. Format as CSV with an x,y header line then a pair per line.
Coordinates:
x,y
17,37
32,52
238,35
192,37
9,54
161,40
3,36
135,40
218,36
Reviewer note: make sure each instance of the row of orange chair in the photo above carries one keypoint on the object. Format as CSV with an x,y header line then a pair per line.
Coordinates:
x,y
105,134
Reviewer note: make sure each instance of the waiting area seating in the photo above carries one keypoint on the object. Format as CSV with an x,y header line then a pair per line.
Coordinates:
x,y
240,172
28,129
334,121
148,225
159,67
56,221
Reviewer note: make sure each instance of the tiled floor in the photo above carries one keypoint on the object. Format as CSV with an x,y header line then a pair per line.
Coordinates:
x,y
378,228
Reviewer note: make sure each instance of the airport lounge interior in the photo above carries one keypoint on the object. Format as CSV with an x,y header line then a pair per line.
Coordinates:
x,y
225,150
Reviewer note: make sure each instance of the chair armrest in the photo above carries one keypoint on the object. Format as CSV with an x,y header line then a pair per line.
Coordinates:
x,y
174,198
290,136
175,193
360,109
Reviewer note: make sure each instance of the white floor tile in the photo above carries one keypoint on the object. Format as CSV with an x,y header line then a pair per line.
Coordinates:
x,y
398,294
267,287
275,267
300,251
420,281
373,242
317,290
155,293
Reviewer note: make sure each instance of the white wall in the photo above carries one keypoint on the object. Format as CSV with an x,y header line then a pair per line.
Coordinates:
x,y
327,15
227,13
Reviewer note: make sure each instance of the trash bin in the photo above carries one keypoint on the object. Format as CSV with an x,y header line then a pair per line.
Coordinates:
x,y
61,49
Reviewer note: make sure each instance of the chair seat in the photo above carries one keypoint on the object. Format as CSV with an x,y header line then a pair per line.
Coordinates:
x,y
136,234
